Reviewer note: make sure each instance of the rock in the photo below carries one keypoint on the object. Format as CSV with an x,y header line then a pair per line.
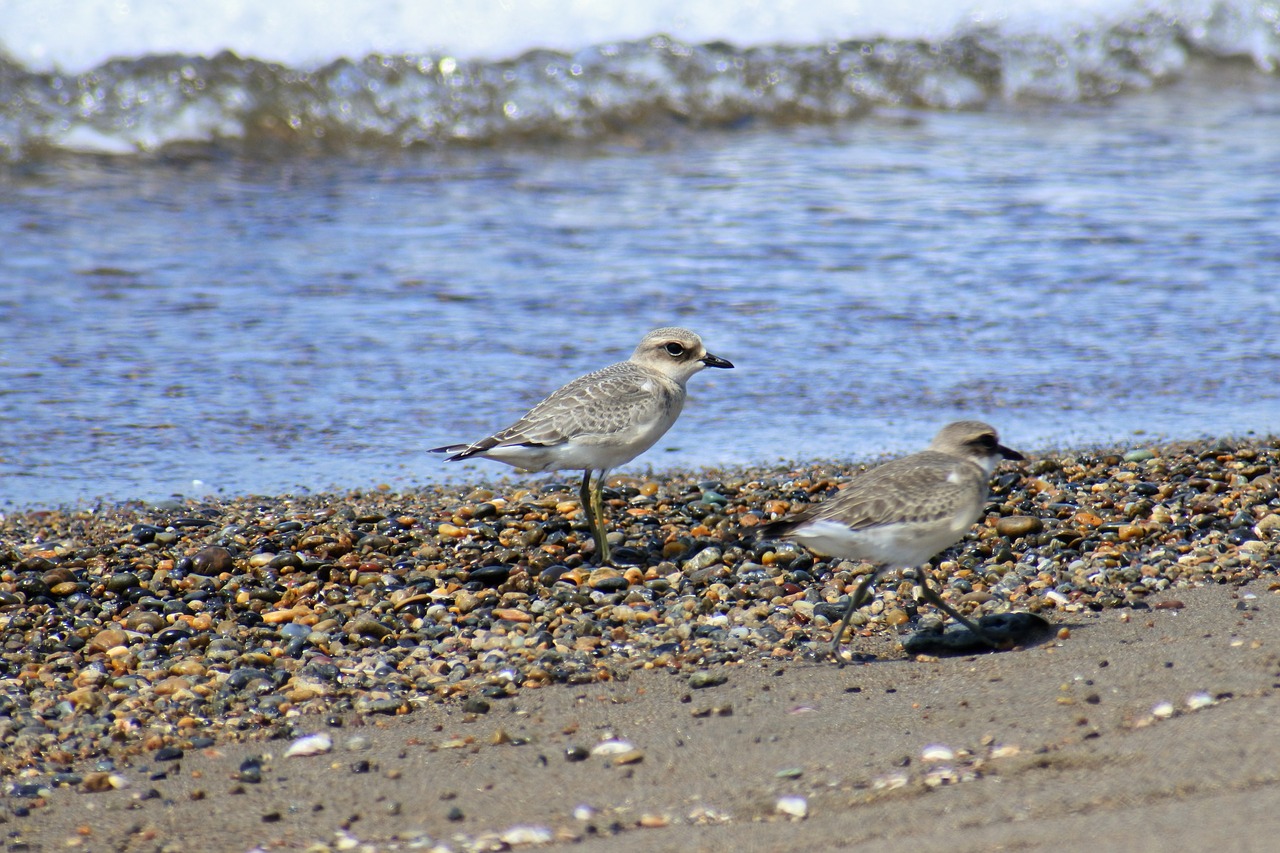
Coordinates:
x,y
108,639
705,558
607,580
703,678
1017,526
490,575
212,561
369,628
793,806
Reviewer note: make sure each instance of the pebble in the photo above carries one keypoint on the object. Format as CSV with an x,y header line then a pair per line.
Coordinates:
x,y
706,678
1017,526
201,614
1197,701
316,744
793,806
521,836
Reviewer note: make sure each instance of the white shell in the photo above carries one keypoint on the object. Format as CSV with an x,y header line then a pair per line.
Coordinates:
x,y
612,747
316,744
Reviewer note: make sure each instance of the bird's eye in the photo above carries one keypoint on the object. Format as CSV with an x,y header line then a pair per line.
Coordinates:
x,y
674,349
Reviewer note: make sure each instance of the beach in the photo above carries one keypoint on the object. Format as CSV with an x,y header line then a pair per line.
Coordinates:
x,y
262,259
482,686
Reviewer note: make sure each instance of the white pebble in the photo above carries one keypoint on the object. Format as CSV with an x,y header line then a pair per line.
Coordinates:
x,y
793,806
519,835
937,752
939,776
1196,701
890,782
582,811
316,744
1162,710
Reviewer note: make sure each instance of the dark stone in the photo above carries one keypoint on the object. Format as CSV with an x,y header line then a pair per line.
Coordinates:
x,y
490,575
32,587
211,561
625,556
144,533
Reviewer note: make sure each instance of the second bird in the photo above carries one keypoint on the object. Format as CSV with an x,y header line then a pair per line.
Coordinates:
x,y
602,420
902,513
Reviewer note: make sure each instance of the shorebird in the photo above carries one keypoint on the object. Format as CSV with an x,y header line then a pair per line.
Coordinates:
x,y
602,420
902,513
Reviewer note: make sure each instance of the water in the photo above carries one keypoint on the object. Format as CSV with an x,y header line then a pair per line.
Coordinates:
x,y
1073,269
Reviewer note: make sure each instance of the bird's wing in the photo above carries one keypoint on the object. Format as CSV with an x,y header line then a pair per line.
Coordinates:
x,y
612,400
939,484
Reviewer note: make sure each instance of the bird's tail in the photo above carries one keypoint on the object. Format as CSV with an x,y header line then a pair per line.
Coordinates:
x,y
776,529
459,451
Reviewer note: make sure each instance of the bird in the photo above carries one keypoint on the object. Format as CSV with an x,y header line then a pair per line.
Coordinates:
x,y
601,420
902,513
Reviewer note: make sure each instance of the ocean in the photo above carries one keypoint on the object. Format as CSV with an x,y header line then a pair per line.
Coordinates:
x,y
257,248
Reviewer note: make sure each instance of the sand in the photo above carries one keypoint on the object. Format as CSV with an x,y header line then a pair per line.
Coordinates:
x,y
1061,746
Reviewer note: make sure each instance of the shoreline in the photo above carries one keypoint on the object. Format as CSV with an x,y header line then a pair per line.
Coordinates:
x,y
501,478
461,632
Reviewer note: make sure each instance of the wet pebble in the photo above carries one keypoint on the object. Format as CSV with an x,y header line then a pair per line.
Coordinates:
x,y
355,605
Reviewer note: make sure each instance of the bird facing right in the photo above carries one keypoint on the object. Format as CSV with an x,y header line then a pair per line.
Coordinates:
x,y
900,514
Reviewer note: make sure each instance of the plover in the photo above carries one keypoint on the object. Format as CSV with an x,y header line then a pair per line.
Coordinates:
x,y
902,513
601,420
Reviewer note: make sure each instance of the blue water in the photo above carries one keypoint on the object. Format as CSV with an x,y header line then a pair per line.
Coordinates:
x,y
1074,273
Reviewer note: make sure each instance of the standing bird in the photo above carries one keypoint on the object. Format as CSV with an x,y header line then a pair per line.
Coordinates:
x,y
902,513
601,420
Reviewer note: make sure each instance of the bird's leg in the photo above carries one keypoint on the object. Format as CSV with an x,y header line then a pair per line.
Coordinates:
x,y
585,497
859,597
597,516
936,600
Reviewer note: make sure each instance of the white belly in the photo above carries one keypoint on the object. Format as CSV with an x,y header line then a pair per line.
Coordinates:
x,y
599,452
895,546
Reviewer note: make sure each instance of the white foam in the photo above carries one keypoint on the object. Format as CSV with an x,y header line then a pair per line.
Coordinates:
x,y
75,35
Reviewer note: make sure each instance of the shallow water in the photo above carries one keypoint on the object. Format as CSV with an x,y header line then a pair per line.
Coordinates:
x,y
1072,273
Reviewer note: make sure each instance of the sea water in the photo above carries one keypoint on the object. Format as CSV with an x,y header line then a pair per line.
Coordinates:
x,y
267,251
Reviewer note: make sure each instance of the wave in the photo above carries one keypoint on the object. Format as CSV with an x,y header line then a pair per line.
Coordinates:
x,y
629,91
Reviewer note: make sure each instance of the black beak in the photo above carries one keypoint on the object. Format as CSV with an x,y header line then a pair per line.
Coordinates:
x,y
715,361
1009,453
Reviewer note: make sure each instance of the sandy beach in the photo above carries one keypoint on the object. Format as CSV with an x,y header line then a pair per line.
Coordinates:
x,y
1138,722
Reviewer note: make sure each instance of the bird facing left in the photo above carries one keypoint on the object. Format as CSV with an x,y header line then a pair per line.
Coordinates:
x,y
602,420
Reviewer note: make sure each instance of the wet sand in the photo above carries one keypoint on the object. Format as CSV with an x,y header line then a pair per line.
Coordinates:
x,y
1056,748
